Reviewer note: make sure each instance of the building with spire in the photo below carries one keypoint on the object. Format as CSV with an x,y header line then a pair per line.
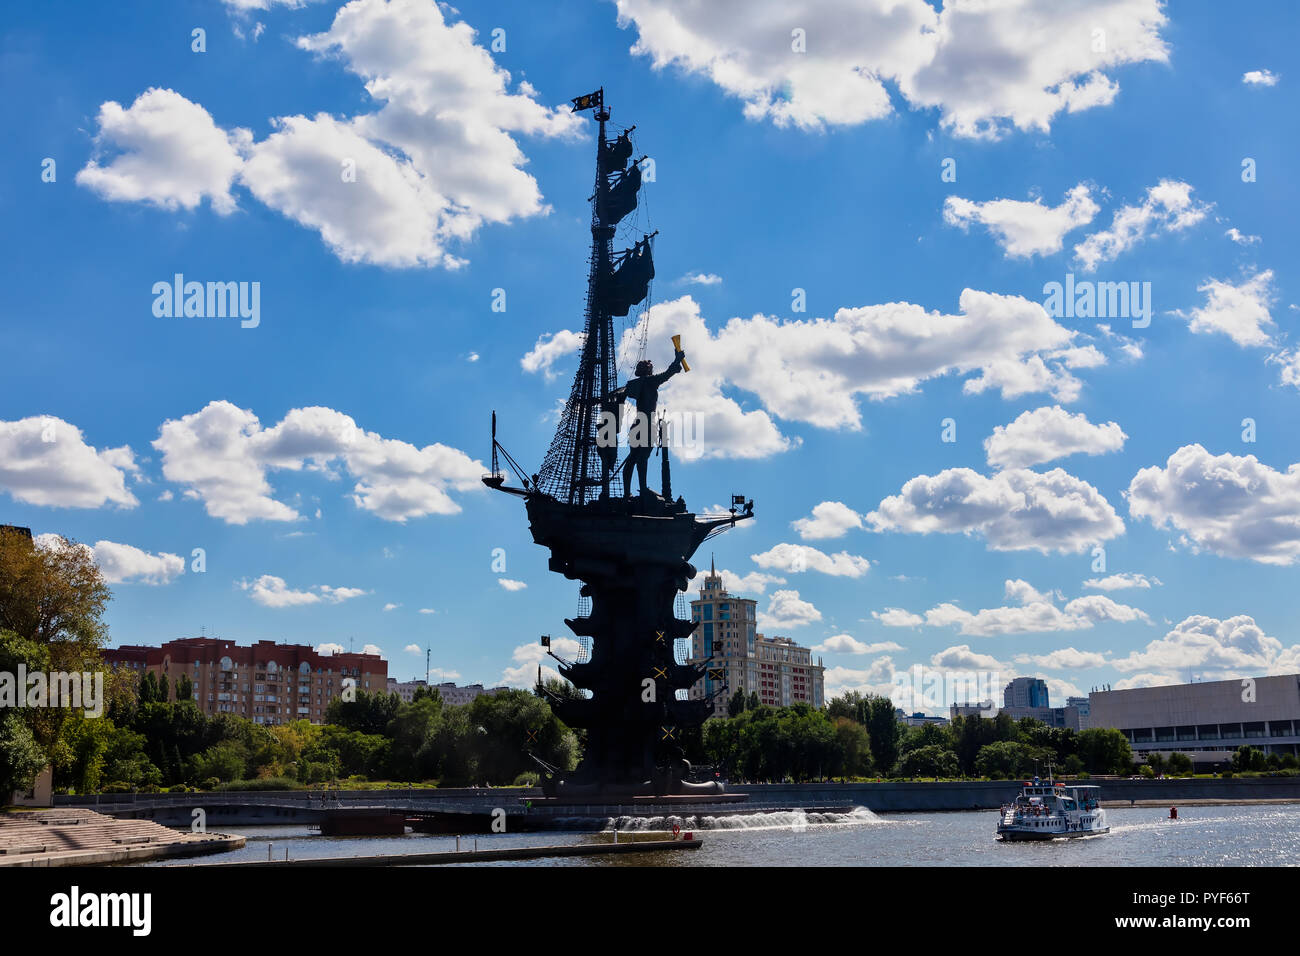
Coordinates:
x,y
739,658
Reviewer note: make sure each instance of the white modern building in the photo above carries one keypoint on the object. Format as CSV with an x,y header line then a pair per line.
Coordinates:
x,y
1207,721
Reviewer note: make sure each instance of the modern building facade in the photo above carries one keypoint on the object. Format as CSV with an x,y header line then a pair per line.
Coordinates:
x,y
1026,692
268,683
1028,697
1207,721
918,719
449,691
779,670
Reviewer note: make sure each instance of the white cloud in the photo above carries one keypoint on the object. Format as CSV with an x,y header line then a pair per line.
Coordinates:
x,y
551,349
813,370
124,563
700,278
223,454
785,610
1121,581
427,610
1240,238
847,644
511,585
1024,229
830,519
245,5
1168,207
1036,614
1260,78
1289,360
897,617
1014,510
167,151
339,595
1023,592
46,461
1048,433
961,657
876,678
440,674
1066,658
1230,505
435,160
528,657
755,582
1033,612
271,591
1240,312
372,649
330,648
391,607
413,649
984,66
1214,649
796,558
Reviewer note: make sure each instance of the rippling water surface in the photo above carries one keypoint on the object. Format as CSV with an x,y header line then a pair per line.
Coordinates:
x,y
1204,836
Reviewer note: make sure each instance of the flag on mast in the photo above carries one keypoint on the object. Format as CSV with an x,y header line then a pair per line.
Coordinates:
x,y
596,100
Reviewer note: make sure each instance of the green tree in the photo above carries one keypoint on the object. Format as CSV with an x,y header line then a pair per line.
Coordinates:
x,y
184,688
1180,765
970,734
883,726
854,747
226,761
369,713
1247,759
736,706
509,725
149,693
930,760
1105,750
54,595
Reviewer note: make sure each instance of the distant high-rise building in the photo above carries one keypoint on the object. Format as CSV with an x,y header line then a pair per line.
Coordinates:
x,y
268,683
1026,692
780,671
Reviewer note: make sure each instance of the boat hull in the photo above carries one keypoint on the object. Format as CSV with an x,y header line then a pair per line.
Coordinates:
x,y
1025,836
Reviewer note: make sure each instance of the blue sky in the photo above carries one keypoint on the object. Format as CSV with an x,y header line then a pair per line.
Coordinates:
x,y
351,424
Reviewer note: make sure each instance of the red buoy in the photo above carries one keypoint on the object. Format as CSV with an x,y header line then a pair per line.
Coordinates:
x,y
1173,813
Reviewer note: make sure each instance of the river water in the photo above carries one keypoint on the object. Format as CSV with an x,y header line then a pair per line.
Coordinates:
x,y
1203,836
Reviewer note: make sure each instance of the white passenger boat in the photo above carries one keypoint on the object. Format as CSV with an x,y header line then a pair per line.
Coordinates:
x,y
1050,811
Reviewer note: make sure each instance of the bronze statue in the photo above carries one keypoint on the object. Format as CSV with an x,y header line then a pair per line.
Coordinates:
x,y
644,390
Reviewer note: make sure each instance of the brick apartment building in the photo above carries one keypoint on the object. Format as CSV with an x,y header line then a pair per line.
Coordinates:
x,y
268,683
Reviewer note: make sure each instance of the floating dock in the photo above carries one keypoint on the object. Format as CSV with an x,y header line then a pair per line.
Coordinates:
x,y
476,856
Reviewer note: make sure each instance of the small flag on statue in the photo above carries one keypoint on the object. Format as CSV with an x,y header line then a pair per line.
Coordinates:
x,y
546,640
737,500
589,101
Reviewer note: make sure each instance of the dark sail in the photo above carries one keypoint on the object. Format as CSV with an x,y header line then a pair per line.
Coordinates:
x,y
615,155
630,282
621,197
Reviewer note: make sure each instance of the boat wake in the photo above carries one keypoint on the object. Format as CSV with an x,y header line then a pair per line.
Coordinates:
x,y
795,820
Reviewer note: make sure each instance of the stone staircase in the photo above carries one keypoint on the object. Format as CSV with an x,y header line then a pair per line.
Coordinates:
x,y
74,836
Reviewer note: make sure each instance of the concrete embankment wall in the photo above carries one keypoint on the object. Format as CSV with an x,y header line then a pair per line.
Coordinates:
x,y
242,808
984,795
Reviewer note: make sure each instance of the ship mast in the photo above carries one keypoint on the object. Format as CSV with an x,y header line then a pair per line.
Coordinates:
x,y
578,466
